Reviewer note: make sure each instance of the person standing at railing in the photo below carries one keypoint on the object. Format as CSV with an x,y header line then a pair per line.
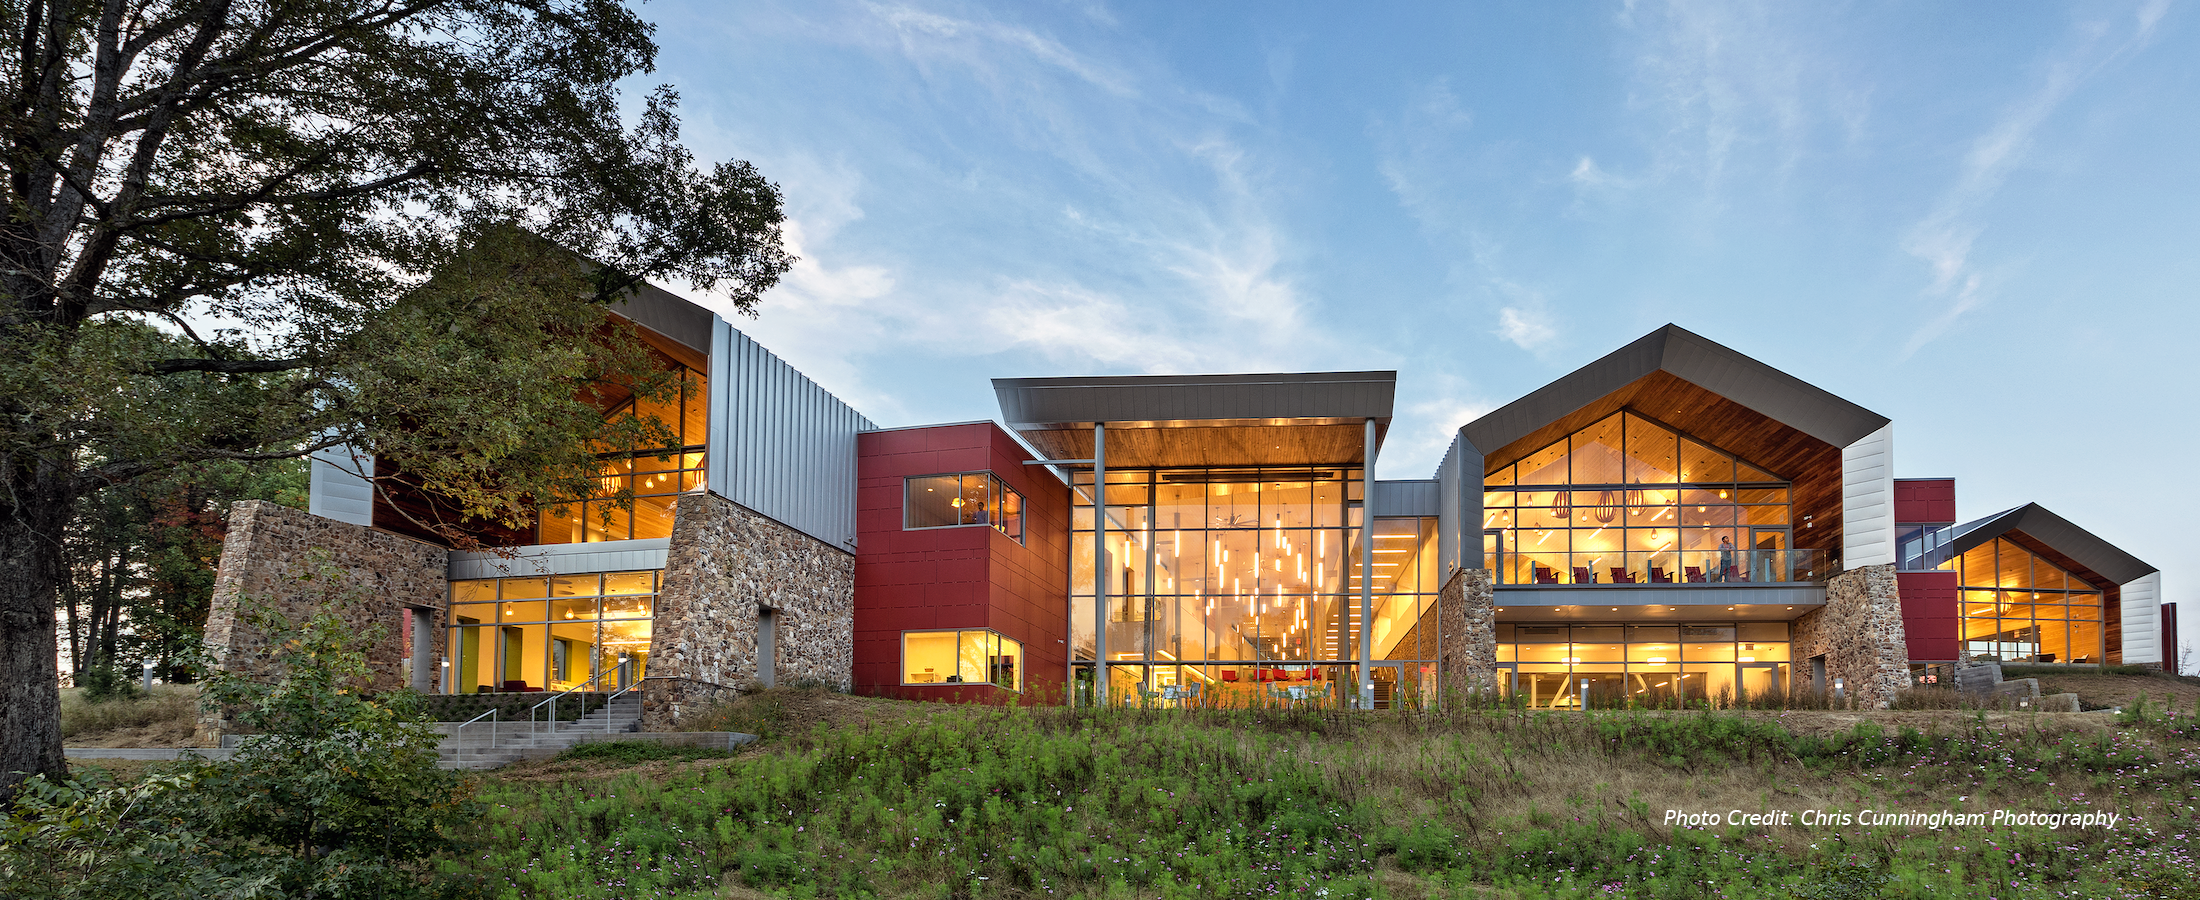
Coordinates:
x,y
1726,557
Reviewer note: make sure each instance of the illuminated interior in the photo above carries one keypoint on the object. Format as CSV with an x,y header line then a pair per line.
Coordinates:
x,y
556,633
968,498
1244,583
966,656
2018,607
1557,666
1630,501
654,479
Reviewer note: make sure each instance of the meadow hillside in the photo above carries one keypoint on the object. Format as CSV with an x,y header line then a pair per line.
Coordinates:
x,y
850,797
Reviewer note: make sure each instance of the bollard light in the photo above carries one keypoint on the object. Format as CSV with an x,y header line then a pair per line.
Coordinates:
x,y
148,676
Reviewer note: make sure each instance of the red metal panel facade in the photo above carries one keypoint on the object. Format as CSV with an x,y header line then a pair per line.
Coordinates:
x,y
1925,500
969,576
1931,614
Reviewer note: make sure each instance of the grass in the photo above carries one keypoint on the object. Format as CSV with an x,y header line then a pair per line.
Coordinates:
x,y
925,801
165,717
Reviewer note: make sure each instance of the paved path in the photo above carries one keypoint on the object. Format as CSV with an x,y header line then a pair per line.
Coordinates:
x,y
135,753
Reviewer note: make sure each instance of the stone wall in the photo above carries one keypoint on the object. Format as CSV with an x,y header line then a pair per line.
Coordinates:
x,y
294,564
727,564
1859,632
1466,653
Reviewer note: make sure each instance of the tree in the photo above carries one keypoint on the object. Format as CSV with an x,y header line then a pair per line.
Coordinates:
x,y
341,216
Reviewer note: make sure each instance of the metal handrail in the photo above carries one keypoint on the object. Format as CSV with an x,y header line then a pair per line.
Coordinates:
x,y
552,701
458,735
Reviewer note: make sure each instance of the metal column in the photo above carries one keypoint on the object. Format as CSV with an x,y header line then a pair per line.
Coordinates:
x,y
1367,560
1102,570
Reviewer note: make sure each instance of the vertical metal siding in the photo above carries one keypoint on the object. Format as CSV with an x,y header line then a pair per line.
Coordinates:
x,y
1450,528
780,444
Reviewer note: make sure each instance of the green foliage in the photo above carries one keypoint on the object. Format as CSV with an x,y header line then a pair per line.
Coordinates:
x,y
336,795
103,683
639,751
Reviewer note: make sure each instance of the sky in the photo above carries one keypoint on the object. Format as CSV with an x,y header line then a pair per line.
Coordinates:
x,y
1979,220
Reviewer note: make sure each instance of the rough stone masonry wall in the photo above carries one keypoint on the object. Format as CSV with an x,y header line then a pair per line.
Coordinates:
x,y
294,562
727,563
1859,632
1466,653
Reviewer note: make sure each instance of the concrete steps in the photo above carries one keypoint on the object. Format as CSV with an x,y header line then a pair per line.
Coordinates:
x,y
481,746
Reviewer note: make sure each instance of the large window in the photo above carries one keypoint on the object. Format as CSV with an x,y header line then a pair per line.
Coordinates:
x,y
2018,607
968,656
652,480
967,498
1630,501
554,633
1563,666
1244,584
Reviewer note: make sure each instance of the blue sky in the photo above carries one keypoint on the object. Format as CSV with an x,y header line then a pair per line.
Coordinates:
x,y
1978,220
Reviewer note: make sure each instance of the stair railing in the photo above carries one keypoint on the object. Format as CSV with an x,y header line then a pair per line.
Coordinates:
x,y
552,702
458,735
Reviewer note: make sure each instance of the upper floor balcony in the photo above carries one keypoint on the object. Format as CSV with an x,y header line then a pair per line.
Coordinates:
x,y
1695,568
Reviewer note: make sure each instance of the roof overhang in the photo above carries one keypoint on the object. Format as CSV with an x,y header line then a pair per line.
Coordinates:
x,y
1202,420
2035,528
1690,357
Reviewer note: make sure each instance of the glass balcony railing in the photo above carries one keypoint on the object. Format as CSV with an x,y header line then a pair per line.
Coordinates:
x,y
1696,567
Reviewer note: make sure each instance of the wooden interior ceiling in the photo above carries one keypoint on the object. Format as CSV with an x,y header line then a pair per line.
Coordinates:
x,y
2095,580
1209,445
1814,466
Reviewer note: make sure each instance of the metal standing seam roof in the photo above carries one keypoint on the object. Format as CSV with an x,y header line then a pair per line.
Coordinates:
x,y
2037,522
668,314
1047,404
1692,358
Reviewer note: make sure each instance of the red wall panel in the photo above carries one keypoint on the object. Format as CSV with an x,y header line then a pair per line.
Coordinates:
x,y
1923,500
1931,617
965,577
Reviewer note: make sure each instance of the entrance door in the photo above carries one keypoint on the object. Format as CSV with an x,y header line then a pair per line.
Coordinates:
x,y
1770,562
1762,682
1391,687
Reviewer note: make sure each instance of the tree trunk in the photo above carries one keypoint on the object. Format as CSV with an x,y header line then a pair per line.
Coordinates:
x,y
30,686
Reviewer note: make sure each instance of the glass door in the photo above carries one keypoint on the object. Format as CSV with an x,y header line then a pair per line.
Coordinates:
x,y
1390,684
1493,554
1762,682
1769,563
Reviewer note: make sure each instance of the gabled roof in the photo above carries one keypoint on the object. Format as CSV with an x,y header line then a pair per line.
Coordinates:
x,y
1691,358
2055,533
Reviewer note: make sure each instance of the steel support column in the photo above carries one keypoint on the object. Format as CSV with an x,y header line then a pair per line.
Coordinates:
x,y
1367,561
1102,569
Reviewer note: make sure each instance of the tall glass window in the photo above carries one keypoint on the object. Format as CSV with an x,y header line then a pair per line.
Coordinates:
x,y
1235,584
1630,501
652,480
1560,666
965,498
554,633
2018,607
965,656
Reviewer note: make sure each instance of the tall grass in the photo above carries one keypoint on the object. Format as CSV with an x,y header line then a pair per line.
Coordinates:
x,y
1300,801
175,705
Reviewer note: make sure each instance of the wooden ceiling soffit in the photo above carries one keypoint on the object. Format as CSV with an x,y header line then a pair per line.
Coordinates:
x,y
1208,445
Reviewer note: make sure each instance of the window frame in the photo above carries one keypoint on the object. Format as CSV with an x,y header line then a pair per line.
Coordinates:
x,y
999,642
998,492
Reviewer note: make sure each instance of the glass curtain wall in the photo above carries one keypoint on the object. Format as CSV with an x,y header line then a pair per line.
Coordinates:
x,y
653,479
1559,666
1230,586
1630,501
968,498
555,633
2018,607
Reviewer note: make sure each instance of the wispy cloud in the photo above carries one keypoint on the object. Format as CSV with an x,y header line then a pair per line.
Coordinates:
x,y
1944,239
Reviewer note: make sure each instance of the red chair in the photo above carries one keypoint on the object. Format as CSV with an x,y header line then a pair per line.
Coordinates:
x,y
1659,576
1622,576
1582,575
1545,574
1695,575
1229,675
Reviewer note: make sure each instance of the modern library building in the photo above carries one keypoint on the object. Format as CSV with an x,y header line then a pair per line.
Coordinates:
x,y
1672,521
